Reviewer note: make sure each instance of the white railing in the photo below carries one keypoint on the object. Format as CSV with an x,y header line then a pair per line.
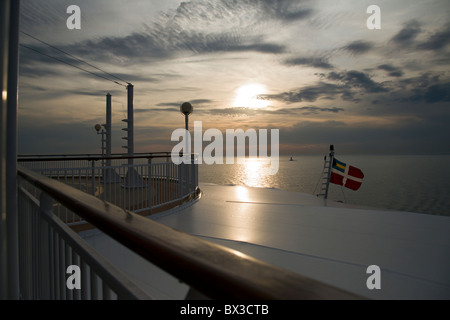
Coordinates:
x,y
151,184
48,247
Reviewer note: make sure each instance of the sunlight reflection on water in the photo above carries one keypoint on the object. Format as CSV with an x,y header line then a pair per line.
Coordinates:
x,y
407,183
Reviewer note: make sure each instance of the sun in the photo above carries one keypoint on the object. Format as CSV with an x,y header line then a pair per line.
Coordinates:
x,y
247,97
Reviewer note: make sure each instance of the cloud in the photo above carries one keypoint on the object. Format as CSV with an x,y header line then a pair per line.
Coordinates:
x,y
431,94
309,93
422,81
316,110
233,112
285,10
167,44
200,27
438,93
358,47
149,110
357,79
392,71
427,88
345,84
308,110
195,102
438,40
435,41
408,34
321,63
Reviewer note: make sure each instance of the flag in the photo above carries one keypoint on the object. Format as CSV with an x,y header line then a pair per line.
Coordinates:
x,y
346,175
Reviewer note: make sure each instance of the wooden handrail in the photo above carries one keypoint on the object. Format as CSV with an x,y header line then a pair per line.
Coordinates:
x,y
215,271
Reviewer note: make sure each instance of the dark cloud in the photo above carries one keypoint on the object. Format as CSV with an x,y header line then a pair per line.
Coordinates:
x,y
308,93
357,79
317,110
423,81
285,10
194,103
149,110
189,29
344,84
438,40
155,45
321,63
391,70
241,111
41,61
408,34
432,94
255,47
435,41
429,88
233,112
359,47
438,93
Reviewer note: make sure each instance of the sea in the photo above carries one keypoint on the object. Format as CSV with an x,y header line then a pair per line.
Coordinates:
x,y
413,183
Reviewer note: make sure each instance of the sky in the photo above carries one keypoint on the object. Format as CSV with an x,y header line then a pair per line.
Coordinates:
x,y
309,68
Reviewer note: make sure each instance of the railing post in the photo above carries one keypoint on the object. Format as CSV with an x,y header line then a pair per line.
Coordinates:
x,y
180,181
25,268
192,178
44,269
93,177
150,185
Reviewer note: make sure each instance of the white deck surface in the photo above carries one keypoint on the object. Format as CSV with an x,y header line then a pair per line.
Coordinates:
x,y
332,243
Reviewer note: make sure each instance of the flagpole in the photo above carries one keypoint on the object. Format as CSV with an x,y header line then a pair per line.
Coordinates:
x,y
330,167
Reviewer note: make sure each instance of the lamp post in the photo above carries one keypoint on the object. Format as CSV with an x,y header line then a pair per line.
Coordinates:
x,y
186,109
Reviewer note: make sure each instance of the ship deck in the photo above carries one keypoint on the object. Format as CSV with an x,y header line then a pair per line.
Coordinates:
x,y
324,240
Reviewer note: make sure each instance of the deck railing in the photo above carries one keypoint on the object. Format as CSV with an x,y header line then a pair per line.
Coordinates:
x,y
150,184
48,247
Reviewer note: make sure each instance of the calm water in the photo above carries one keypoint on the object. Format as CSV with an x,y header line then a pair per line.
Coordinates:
x,y
408,183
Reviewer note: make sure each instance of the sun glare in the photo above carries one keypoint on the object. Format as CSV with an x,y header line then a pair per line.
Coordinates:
x,y
247,97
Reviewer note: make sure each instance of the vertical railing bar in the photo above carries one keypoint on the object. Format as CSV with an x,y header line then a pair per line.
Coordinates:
x,y
94,285
62,269
85,281
159,184
75,262
68,262
34,256
106,291
56,265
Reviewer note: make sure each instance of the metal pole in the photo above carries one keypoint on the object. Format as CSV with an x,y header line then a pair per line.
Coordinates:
x,y
330,167
130,90
108,128
4,11
187,138
9,33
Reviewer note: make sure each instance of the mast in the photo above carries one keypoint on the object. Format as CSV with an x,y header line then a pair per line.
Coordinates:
x,y
330,167
108,128
130,90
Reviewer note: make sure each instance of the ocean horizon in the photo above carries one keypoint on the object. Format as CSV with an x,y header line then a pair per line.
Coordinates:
x,y
413,183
